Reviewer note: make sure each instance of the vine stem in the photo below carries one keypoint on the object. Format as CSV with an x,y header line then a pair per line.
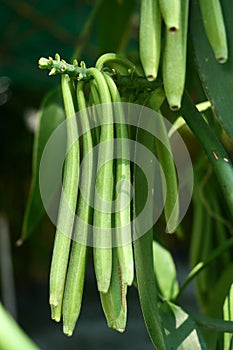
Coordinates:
x,y
212,323
131,82
201,265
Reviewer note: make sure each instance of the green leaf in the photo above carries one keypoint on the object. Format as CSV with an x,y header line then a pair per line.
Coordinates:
x,y
165,271
216,78
114,24
143,247
212,146
181,331
51,114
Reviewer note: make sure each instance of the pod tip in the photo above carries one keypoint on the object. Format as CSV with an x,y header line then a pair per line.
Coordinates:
x,y
175,107
151,77
19,242
173,29
222,59
103,285
56,318
67,331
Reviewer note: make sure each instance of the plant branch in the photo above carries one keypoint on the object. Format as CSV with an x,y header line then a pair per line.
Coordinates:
x,y
212,323
202,264
75,71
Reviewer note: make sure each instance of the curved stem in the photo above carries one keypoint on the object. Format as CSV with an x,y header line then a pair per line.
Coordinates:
x,y
201,265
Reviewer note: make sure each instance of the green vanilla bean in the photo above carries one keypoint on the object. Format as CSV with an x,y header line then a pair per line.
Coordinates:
x,y
77,264
114,301
213,20
123,179
174,60
67,205
164,153
171,12
102,221
143,250
150,37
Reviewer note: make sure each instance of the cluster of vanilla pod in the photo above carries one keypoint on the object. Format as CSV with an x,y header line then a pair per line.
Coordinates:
x,y
175,15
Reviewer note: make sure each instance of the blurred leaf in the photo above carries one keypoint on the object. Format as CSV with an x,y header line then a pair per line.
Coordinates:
x,y
114,24
51,114
181,331
165,271
216,78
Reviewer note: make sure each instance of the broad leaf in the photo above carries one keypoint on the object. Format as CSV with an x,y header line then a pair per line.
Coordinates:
x,y
51,114
216,78
181,331
165,271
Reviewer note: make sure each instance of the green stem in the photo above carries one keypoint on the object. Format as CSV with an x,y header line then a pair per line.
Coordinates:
x,y
212,323
201,265
11,335
122,61
138,83
58,66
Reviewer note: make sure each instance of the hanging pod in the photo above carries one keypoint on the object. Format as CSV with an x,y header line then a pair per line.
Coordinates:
x,y
67,207
102,217
170,10
213,21
123,195
150,37
174,60
79,251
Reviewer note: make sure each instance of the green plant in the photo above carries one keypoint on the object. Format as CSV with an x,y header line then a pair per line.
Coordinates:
x,y
124,253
